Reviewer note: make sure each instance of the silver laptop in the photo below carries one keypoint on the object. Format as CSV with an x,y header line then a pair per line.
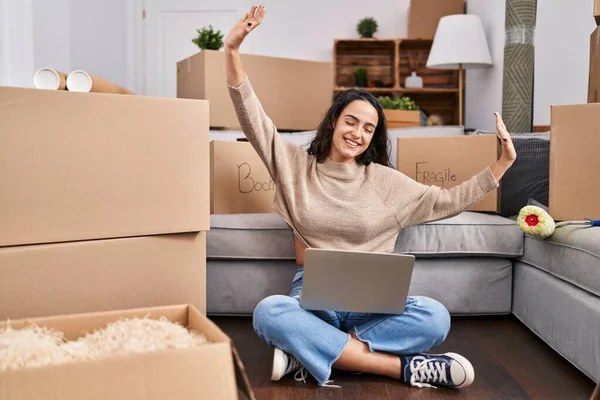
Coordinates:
x,y
356,281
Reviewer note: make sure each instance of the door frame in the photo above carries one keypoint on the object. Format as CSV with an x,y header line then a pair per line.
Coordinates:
x,y
134,43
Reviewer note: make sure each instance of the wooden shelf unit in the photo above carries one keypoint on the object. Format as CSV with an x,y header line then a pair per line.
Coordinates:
x,y
388,62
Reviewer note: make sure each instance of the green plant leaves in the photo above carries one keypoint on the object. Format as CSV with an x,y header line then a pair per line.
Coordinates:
x,y
366,27
208,39
398,103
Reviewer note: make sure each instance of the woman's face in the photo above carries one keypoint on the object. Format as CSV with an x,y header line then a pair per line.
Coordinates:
x,y
353,131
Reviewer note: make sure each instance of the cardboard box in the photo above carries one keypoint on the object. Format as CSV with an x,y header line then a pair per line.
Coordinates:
x,y
449,161
80,166
574,193
240,182
402,118
294,93
102,275
594,73
597,11
424,16
206,372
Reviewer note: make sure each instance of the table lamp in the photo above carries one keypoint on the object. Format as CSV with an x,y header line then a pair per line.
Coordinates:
x,y
459,43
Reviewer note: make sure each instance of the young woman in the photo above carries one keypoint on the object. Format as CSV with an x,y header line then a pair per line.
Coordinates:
x,y
342,194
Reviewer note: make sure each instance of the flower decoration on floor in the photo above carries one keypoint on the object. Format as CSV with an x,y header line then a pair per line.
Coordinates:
x,y
537,222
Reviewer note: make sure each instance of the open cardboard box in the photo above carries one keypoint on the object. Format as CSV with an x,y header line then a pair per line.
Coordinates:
x,y
206,372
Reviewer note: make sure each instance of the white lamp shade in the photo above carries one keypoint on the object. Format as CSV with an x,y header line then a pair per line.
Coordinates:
x,y
459,39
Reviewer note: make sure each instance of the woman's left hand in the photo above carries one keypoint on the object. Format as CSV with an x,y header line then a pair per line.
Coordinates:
x,y
509,155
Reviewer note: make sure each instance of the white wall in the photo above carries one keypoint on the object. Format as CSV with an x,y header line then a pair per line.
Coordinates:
x,y
483,87
97,47
562,39
307,29
562,48
51,34
17,31
3,44
73,34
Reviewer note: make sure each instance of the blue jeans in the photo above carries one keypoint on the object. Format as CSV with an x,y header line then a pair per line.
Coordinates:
x,y
317,338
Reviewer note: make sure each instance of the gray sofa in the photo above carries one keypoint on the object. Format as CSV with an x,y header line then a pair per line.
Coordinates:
x,y
474,263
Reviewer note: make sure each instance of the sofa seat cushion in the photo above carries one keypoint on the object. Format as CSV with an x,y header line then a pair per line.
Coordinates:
x,y
267,236
249,237
572,253
469,234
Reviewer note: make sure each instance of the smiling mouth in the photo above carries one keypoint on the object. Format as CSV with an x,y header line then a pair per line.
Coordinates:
x,y
351,142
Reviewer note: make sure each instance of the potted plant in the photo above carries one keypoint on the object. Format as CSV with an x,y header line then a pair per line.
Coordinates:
x,y
400,112
366,27
208,39
360,77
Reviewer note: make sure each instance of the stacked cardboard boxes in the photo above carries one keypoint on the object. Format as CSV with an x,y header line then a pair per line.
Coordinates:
x,y
294,93
104,203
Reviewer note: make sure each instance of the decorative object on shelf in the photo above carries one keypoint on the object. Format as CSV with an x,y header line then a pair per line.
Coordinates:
x,y
366,27
519,54
398,103
360,77
400,112
208,39
413,81
459,43
434,119
536,222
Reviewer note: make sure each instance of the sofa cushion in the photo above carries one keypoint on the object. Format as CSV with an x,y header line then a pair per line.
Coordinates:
x,y
249,236
572,253
468,234
267,236
464,285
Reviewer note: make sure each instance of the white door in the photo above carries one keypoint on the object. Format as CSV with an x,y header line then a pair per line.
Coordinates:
x,y
170,25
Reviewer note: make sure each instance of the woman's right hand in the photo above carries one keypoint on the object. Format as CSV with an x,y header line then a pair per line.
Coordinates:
x,y
244,26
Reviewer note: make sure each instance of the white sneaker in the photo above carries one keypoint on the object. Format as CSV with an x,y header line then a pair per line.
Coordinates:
x,y
283,364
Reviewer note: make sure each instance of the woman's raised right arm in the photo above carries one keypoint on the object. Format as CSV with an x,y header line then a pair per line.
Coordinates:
x,y
233,41
278,155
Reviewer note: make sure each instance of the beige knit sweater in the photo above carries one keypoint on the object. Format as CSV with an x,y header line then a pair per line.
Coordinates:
x,y
346,206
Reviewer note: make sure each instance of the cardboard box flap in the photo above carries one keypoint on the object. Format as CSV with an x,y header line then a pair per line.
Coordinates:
x,y
214,333
205,372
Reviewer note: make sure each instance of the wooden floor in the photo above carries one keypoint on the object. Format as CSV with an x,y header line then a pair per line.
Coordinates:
x,y
510,363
